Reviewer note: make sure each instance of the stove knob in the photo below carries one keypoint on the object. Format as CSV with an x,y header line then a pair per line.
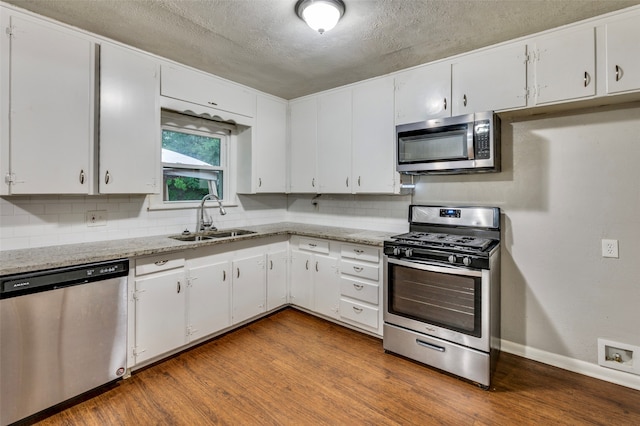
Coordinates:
x,y
396,251
452,258
408,252
466,261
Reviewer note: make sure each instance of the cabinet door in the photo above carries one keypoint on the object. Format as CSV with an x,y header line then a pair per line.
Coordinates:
x,y
270,148
160,314
249,288
199,88
564,66
326,285
209,299
492,80
303,128
301,279
276,279
334,142
52,110
374,167
129,122
423,93
623,55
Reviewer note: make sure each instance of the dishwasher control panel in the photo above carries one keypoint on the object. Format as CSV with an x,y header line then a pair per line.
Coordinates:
x,y
19,284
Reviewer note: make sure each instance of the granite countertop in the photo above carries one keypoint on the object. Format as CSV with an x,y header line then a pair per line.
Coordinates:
x,y
34,259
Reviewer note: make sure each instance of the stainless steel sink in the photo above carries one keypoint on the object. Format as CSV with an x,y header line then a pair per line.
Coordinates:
x,y
211,235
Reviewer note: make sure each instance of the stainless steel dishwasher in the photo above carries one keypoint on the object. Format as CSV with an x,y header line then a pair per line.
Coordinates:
x,y
63,332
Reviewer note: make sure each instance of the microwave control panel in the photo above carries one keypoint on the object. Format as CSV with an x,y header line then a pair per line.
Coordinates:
x,y
481,136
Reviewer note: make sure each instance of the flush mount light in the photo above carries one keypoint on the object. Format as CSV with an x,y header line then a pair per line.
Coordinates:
x,y
321,15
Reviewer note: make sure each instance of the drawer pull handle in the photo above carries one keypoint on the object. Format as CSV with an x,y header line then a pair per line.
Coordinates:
x,y
464,100
224,275
358,286
81,177
306,265
312,245
271,265
429,345
445,104
358,268
238,273
587,79
160,262
107,177
357,310
316,266
179,287
358,251
212,103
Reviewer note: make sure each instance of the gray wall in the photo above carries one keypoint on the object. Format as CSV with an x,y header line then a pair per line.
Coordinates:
x,y
568,181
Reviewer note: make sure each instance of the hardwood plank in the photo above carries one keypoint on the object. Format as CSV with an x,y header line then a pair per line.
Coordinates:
x,y
292,368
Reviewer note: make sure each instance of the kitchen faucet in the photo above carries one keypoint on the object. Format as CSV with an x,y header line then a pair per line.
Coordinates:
x,y
207,225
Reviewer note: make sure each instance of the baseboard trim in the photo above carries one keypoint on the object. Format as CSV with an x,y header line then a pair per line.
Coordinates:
x,y
577,366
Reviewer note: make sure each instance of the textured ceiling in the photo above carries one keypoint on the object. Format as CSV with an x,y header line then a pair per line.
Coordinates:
x,y
263,44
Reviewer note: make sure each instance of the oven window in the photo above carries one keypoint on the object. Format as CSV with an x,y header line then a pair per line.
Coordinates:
x,y
418,147
446,300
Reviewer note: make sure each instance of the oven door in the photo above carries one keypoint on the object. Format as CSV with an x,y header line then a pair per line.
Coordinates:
x,y
450,303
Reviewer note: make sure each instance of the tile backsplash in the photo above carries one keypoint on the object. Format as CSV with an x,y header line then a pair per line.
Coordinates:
x,y
37,221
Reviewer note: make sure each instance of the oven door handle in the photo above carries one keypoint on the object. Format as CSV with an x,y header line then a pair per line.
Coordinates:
x,y
451,270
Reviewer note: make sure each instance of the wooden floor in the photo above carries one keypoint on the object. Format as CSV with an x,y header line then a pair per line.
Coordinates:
x,y
294,369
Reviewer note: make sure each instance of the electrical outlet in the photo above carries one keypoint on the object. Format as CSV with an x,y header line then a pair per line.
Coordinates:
x,y
610,248
96,218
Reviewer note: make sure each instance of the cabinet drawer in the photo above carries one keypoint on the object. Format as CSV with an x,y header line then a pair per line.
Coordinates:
x,y
358,269
367,254
191,86
359,313
359,290
158,263
316,246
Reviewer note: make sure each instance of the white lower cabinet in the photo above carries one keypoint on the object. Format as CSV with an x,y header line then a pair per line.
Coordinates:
x,y
314,276
277,277
361,287
209,297
159,296
248,287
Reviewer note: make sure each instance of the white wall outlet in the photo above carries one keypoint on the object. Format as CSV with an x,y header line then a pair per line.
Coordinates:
x,y
96,218
610,248
619,356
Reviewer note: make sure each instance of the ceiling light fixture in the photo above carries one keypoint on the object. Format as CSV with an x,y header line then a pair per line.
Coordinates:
x,y
321,15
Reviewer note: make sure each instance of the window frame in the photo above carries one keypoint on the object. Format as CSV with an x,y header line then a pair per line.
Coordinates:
x,y
183,123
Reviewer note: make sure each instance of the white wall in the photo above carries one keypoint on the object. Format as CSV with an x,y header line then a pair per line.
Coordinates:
x,y
568,181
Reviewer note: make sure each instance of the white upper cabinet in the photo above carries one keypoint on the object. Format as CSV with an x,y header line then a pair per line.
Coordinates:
x,y
129,122
373,143
334,142
268,146
203,89
623,54
423,93
564,66
303,133
50,74
490,80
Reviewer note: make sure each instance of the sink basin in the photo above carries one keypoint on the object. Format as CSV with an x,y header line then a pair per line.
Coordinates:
x,y
211,235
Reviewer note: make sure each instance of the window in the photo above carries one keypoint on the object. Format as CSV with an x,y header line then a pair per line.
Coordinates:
x,y
194,158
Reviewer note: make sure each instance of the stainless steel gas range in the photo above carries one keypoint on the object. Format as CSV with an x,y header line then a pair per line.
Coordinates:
x,y
442,290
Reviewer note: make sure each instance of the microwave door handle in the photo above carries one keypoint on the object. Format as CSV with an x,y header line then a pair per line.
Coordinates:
x,y
471,140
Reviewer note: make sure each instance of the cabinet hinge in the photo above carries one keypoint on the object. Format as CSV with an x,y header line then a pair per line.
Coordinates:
x,y
137,351
10,178
136,294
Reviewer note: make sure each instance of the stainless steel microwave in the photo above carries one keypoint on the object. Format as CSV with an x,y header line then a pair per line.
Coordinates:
x,y
463,144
